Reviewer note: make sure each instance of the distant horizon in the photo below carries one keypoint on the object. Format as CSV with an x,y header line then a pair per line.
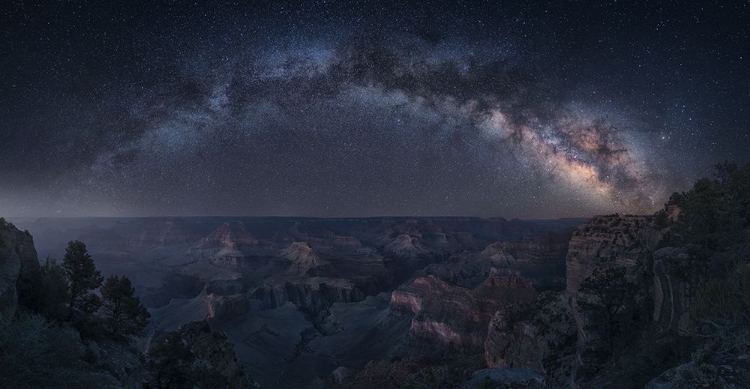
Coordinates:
x,y
314,217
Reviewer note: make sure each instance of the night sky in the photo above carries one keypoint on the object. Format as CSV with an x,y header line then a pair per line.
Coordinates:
x,y
332,108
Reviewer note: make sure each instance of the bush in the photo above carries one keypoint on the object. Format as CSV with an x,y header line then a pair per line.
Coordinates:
x,y
37,354
720,299
123,312
53,293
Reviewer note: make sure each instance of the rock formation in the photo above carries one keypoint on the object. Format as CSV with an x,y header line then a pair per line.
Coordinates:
x,y
541,337
301,297
226,246
406,246
552,336
510,378
608,241
311,294
671,292
213,350
19,267
454,318
301,258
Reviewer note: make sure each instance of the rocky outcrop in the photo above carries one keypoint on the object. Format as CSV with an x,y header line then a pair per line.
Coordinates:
x,y
723,361
540,337
693,375
406,246
301,258
19,267
449,317
311,294
383,374
445,315
227,246
608,241
504,289
213,350
540,260
605,242
221,309
551,336
671,292
497,255
508,378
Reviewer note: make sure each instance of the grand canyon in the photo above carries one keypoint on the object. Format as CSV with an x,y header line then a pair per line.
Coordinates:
x,y
355,194
302,298
403,302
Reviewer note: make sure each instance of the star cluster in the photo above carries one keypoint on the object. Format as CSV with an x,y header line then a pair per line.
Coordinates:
x,y
546,109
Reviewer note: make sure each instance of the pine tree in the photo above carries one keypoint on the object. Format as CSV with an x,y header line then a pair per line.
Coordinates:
x,y
613,310
123,312
83,278
53,290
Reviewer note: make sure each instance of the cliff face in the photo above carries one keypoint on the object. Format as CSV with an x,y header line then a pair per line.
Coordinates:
x,y
552,335
405,246
221,309
671,293
541,338
448,317
19,266
301,258
608,241
311,294
226,246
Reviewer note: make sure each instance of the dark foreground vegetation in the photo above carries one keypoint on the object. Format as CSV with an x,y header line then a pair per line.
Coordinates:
x,y
75,329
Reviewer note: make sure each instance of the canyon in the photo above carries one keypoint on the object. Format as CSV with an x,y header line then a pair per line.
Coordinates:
x,y
300,298
386,302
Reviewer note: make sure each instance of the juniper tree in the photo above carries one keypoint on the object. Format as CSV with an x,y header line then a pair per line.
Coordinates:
x,y
123,312
83,278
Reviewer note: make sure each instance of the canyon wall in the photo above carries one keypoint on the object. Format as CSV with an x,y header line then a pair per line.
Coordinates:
x,y
19,267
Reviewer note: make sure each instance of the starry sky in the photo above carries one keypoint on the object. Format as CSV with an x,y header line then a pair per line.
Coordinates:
x,y
359,108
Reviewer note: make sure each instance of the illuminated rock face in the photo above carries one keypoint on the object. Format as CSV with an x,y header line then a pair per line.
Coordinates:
x,y
453,318
405,245
301,258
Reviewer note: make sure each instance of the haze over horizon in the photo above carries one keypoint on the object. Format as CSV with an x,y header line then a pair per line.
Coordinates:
x,y
346,109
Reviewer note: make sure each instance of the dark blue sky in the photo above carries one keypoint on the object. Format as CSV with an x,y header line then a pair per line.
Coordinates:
x,y
332,108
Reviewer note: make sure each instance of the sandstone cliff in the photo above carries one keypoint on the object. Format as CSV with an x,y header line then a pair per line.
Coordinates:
x,y
300,258
541,337
608,241
313,295
453,318
552,336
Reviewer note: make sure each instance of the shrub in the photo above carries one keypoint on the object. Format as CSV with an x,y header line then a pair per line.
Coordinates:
x,y
37,354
